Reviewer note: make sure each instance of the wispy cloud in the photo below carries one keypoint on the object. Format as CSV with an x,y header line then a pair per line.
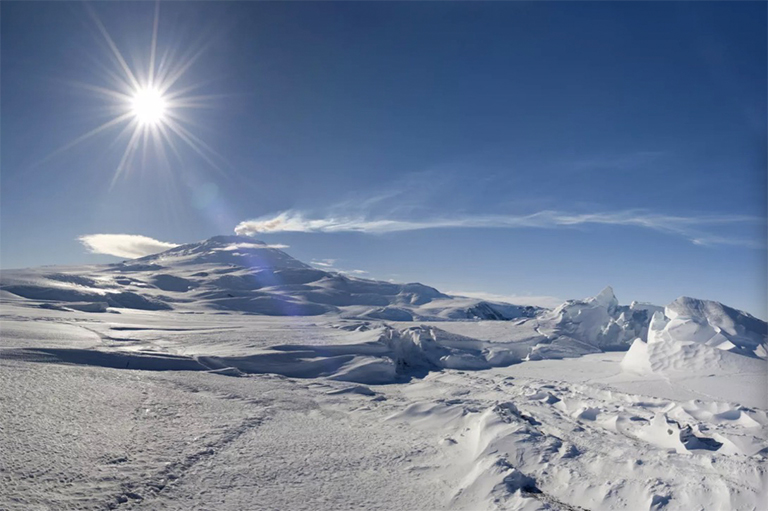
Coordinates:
x,y
248,246
129,246
324,263
549,302
697,229
330,265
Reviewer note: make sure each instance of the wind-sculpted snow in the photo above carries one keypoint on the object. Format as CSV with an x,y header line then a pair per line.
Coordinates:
x,y
119,299
227,375
534,443
232,274
599,322
717,325
389,356
200,407
694,336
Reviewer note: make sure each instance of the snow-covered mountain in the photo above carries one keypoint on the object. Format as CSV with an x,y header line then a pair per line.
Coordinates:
x,y
240,275
227,371
234,273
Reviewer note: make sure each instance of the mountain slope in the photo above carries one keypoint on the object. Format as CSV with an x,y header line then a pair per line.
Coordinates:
x,y
240,274
233,274
219,396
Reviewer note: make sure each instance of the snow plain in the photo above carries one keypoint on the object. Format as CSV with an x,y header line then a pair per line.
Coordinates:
x,y
159,384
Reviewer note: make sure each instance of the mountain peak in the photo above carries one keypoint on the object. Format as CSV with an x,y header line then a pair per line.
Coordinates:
x,y
606,298
225,239
227,250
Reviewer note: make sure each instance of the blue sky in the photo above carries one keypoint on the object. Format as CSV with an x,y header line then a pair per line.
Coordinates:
x,y
528,150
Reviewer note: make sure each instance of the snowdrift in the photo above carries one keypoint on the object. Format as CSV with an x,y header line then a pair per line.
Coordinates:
x,y
600,321
386,355
700,336
261,361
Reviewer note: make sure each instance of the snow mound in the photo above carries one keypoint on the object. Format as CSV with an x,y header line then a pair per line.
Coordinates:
x,y
387,355
592,325
86,299
87,306
379,356
699,336
431,348
716,325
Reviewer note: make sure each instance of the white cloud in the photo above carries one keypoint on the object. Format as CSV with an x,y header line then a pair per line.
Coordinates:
x,y
330,266
129,246
248,246
693,228
538,301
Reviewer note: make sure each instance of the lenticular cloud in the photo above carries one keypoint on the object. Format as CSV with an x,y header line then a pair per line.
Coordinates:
x,y
130,246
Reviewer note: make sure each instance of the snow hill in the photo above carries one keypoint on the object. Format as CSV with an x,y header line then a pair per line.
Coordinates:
x,y
693,336
593,324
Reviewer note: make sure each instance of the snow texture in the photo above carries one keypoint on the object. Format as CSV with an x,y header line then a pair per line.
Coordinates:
x,y
227,375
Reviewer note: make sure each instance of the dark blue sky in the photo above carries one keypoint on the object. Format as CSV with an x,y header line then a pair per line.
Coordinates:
x,y
462,118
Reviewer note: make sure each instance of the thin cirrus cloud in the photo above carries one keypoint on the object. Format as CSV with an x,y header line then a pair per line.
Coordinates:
x,y
698,230
330,265
324,263
129,246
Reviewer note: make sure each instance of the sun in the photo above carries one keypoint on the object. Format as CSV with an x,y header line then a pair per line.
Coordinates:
x,y
148,106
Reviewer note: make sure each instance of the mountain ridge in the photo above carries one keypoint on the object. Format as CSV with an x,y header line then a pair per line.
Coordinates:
x,y
241,274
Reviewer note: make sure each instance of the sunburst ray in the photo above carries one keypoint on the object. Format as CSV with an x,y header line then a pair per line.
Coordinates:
x,y
149,102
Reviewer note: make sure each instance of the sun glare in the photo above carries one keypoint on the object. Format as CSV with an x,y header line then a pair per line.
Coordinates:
x,y
148,106
151,104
